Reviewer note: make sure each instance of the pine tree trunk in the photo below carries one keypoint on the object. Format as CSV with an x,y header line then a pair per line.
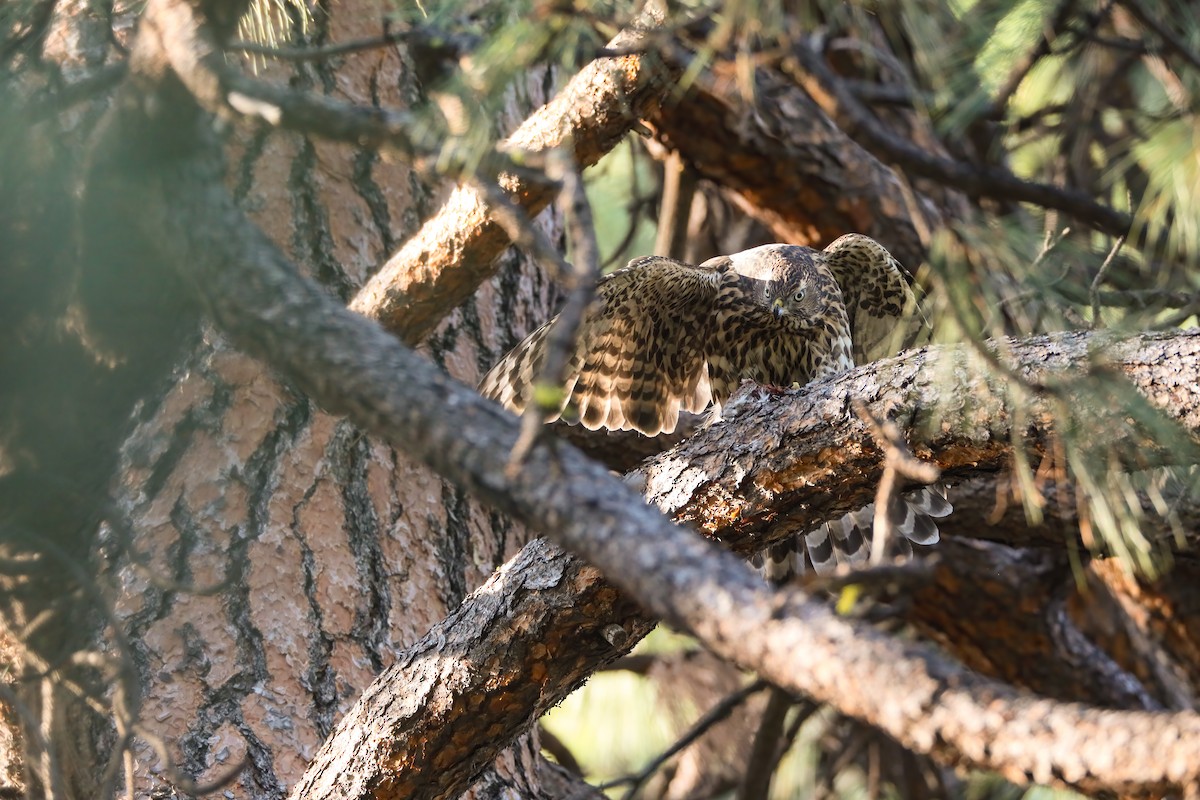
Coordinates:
x,y
266,560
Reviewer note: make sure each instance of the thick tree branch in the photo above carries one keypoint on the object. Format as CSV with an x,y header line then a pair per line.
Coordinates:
x,y
810,453
455,251
928,704
439,267
351,366
457,690
1002,611
811,72
786,159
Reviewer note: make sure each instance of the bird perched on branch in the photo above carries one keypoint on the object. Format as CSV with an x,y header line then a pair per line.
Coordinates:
x,y
664,337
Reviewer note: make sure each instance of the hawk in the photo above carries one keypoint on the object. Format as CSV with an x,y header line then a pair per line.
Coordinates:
x,y
663,337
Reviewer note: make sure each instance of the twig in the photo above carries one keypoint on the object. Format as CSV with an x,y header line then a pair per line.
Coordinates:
x,y
1142,299
996,105
718,712
766,750
1051,241
583,276
889,94
518,226
199,63
804,711
555,747
852,745
633,209
1180,316
1099,279
1177,45
809,69
898,463
456,42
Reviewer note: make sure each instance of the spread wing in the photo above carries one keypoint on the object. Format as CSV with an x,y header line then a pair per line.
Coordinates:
x,y
880,302
640,353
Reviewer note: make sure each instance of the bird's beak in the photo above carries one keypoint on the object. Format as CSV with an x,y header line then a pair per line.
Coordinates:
x,y
777,307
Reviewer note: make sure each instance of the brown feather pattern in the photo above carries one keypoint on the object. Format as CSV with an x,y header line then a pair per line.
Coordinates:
x,y
664,337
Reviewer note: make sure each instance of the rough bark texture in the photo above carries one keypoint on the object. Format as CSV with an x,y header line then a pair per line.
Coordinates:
x,y
731,486
418,731
1164,367
329,551
790,165
443,263
267,559
681,578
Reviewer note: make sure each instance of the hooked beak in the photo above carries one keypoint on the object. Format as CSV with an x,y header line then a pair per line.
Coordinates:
x,y
777,307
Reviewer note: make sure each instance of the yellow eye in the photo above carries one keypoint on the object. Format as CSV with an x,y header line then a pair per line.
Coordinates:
x,y
798,296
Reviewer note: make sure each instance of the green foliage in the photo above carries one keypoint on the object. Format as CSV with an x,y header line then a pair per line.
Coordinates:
x,y
618,188
615,724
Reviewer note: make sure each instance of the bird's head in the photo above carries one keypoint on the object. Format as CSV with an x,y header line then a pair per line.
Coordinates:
x,y
790,298
793,282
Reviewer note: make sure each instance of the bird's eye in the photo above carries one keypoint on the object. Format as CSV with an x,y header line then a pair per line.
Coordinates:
x,y
798,296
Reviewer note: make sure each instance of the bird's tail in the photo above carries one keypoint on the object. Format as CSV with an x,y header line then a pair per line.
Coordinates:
x,y
847,541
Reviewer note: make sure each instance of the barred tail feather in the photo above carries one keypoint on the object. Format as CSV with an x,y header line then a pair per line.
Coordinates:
x,y
846,542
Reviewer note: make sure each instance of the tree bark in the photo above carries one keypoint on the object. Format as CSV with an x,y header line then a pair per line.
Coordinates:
x,y
674,575
724,490
326,550
791,166
268,560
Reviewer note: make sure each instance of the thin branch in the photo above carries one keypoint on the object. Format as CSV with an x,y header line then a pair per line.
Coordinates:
x,y
555,747
999,101
47,104
898,464
808,67
679,187
199,63
890,94
1098,281
1169,37
721,710
767,747
1142,299
785,172
506,212
459,43
583,277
